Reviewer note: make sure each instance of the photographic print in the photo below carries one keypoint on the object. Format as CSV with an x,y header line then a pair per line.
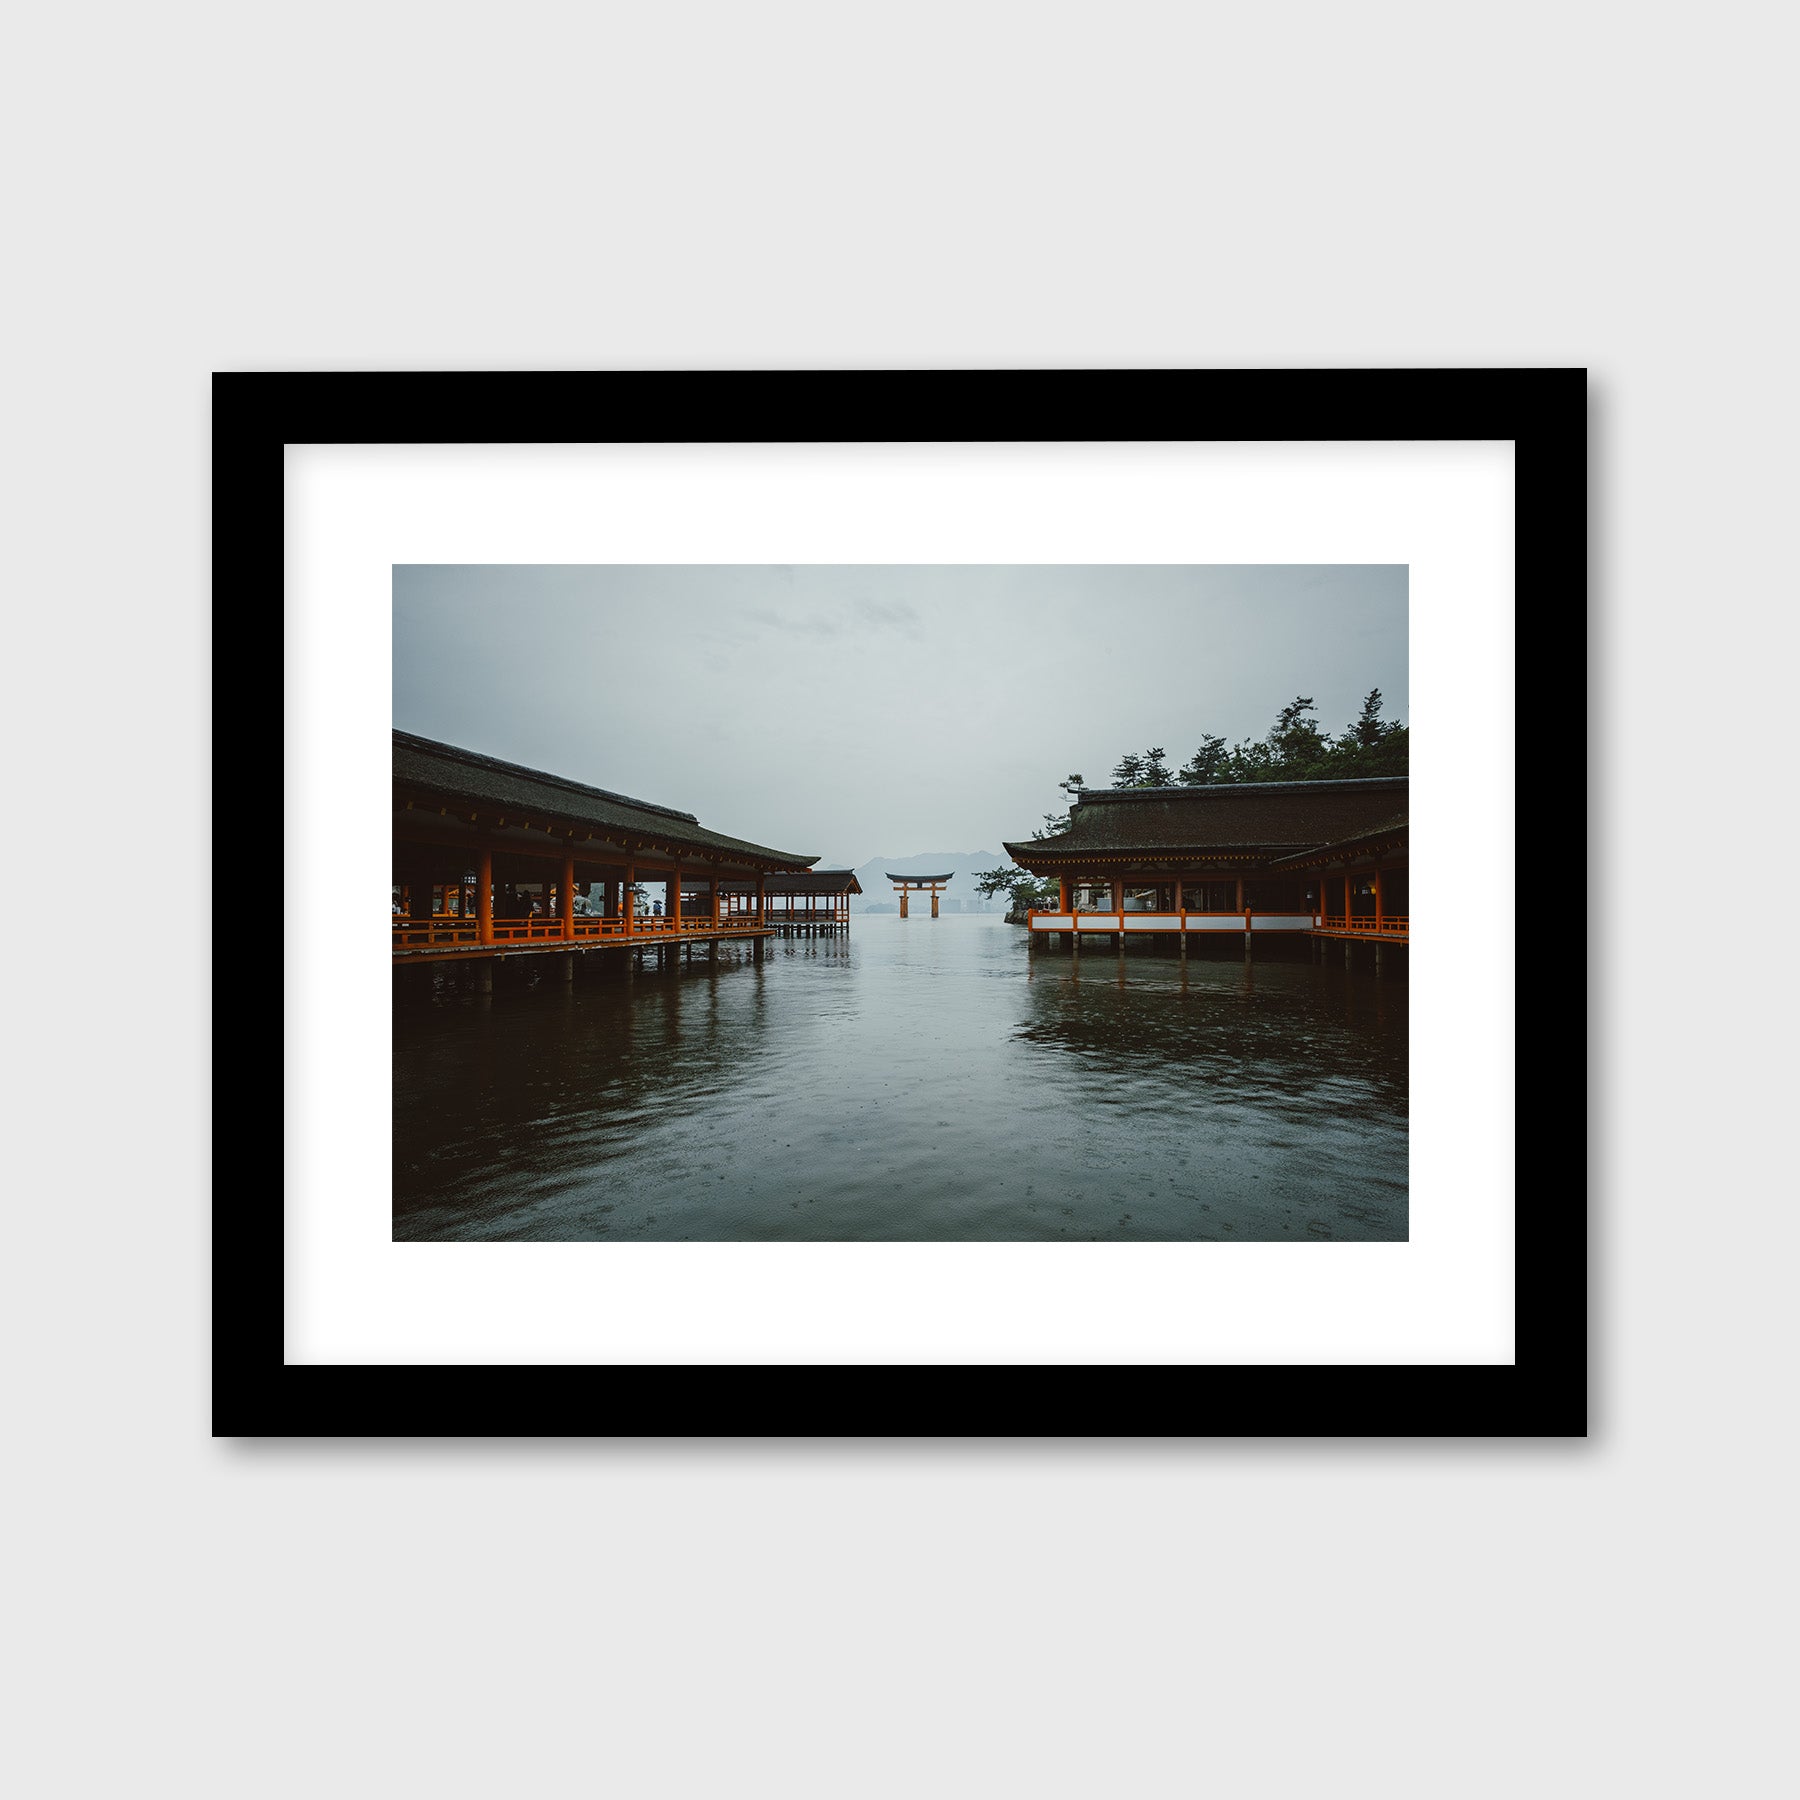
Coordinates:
x,y
900,902
887,927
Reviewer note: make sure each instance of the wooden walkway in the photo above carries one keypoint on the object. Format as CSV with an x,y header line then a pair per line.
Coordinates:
x,y
1383,930
458,939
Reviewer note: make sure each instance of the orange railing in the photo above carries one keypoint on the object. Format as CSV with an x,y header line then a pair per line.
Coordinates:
x,y
446,928
1113,918
1388,925
524,931
451,928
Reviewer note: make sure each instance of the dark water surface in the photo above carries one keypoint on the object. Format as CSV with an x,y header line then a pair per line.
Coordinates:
x,y
923,1079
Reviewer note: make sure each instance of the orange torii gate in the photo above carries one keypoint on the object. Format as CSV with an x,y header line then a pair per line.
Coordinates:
x,y
903,884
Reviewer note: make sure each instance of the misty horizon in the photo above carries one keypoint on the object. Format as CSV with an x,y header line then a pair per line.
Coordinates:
x,y
846,711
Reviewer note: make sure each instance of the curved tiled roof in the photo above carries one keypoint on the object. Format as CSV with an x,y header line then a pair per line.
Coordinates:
x,y
918,878
810,881
424,767
1266,819
1388,831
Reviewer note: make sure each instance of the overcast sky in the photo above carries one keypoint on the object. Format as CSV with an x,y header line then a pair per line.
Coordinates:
x,y
879,710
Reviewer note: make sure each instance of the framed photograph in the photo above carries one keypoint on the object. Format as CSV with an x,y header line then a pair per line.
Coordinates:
x,y
903,912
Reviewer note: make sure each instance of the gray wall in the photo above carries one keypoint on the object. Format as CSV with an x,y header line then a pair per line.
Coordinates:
x,y
348,187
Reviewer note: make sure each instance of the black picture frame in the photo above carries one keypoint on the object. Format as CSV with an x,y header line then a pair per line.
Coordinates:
x,y
1543,1393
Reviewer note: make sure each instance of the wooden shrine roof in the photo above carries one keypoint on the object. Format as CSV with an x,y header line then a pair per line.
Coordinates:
x,y
915,880
1389,834
809,881
425,770
1262,820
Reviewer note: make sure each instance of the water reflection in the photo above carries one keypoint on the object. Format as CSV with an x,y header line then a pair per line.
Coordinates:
x,y
918,1080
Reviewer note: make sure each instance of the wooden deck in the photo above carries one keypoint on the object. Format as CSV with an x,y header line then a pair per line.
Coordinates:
x,y
1128,920
1382,930
453,938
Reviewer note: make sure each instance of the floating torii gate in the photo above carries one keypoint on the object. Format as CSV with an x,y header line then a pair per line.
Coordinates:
x,y
903,884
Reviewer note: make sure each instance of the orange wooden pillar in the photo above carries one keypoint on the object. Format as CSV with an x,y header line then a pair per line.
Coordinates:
x,y
1378,899
903,903
715,887
484,898
629,895
568,898
934,898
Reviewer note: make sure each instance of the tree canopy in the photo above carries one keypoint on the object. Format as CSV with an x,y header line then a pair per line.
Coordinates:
x,y
1023,891
1293,749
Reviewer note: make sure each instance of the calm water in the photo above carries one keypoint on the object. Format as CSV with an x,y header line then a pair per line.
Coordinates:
x,y
917,1080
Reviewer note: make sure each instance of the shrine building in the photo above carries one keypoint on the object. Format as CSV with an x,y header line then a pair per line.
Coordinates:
x,y
812,903
1301,861
492,859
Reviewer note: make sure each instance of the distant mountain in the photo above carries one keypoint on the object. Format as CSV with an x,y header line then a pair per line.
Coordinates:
x,y
964,866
